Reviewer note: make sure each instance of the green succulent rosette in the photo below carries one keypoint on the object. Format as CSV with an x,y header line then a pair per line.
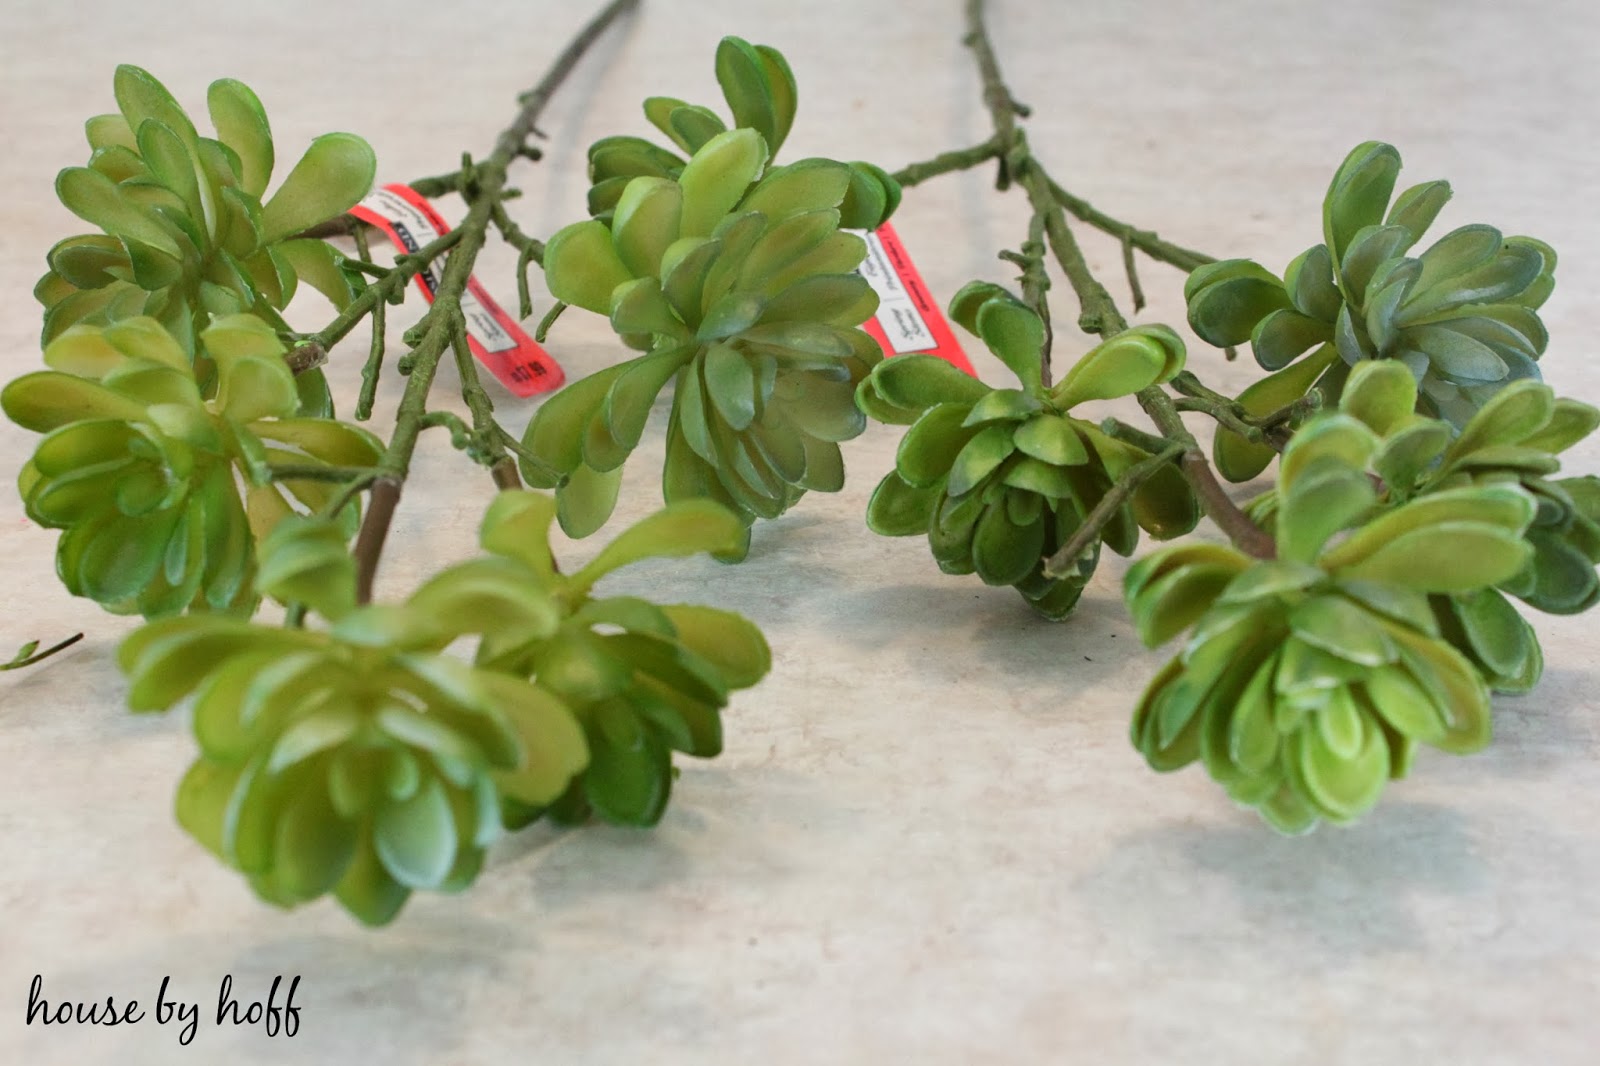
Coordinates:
x,y
762,96
357,760
1462,315
142,471
365,761
1000,479
1306,682
743,295
187,230
1514,439
643,680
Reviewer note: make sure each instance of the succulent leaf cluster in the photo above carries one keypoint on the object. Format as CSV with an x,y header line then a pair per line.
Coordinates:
x,y
1307,681
761,94
1514,439
364,760
141,469
1462,315
999,479
741,290
187,231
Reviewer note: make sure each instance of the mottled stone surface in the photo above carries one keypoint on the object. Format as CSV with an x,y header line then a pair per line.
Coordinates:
x,y
929,839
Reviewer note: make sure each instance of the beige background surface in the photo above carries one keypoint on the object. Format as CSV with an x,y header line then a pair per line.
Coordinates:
x,y
929,839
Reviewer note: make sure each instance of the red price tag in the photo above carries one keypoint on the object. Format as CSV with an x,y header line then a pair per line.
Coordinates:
x,y
908,319
500,344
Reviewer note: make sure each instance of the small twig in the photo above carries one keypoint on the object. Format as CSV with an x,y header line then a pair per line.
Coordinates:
x,y
438,184
1120,430
1291,413
1185,383
461,435
947,162
524,294
513,235
354,488
358,233
1185,259
549,319
314,351
366,266
515,447
1131,268
28,656
487,448
1035,286
1095,521
1225,416
1272,428
529,251
373,367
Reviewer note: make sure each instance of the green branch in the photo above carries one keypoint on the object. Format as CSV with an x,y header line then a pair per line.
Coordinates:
x,y
1185,259
489,178
28,654
1063,561
947,162
313,350
1098,311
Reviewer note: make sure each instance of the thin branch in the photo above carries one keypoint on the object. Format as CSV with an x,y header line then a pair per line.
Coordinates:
x,y
486,446
1226,416
1120,430
1130,267
373,367
1035,285
1273,428
529,251
313,351
1098,311
358,233
1185,259
1124,487
490,178
543,329
27,656
947,162
460,432
354,488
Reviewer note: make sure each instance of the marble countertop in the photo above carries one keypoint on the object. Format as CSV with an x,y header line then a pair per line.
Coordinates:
x,y
929,839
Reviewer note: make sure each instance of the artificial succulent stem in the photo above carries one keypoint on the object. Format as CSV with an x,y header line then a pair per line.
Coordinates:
x,y
1098,311
373,366
27,657
1035,285
489,179
1115,427
1064,560
1272,429
313,351
1146,241
488,436
947,162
